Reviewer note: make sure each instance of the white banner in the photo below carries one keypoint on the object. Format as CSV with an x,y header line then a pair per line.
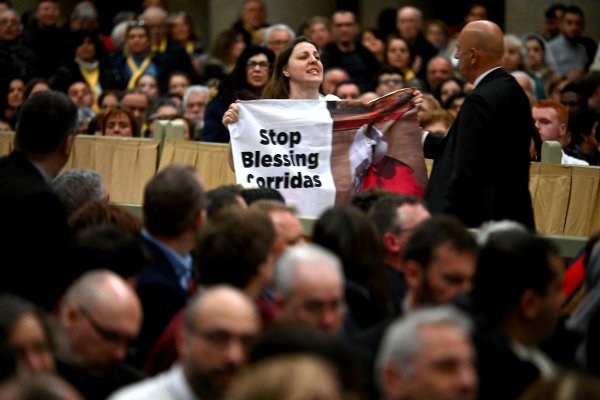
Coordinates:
x,y
286,145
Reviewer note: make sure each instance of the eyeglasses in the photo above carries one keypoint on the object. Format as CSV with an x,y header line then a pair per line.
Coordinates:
x,y
391,81
136,22
259,64
278,42
9,22
106,334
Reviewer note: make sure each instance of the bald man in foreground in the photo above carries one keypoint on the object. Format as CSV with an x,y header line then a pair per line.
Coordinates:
x,y
481,169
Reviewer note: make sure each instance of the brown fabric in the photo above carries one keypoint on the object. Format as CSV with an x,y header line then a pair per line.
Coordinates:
x,y
551,198
209,160
6,142
583,216
126,164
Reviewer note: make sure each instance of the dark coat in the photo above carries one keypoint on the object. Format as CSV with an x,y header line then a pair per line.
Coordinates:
x,y
481,169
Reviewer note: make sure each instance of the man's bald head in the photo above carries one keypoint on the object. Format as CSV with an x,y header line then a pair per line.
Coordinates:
x,y
480,46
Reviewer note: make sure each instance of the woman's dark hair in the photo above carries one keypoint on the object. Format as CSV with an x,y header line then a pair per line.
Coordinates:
x,y
278,86
78,37
223,44
237,80
31,84
438,91
387,45
348,232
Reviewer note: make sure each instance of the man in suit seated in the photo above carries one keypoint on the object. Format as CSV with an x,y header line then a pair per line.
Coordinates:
x,y
34,232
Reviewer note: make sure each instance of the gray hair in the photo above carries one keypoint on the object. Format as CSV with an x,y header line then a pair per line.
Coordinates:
x,y
193,90
286,266
277,27
76,187
84,11
158,11
511,40
417,11
402,340
488,229
521,74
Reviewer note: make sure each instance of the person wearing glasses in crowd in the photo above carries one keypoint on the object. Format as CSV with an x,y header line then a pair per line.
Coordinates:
x,y
246,82
100,315
219,324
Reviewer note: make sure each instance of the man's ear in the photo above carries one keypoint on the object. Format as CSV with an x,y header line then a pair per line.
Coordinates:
x,y
392,381
67,145
391,242
529,304
413,273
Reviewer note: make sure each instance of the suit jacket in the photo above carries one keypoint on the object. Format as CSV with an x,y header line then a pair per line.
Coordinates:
x,y
33,234
161,295
481,168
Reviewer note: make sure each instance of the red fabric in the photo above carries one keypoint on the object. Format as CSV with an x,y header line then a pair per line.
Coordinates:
x,y
394,176
574,276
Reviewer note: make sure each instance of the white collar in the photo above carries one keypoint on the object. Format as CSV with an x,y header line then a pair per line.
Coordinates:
x,y
480,77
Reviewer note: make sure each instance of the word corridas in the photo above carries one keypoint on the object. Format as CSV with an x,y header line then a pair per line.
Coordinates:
x,y
282,160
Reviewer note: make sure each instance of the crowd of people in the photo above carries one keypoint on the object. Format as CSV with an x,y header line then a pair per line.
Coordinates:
x,y
222,294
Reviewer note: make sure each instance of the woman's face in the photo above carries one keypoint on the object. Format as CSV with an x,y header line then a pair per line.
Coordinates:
x,y
511,60
29,339
109,101
535,54
304,65
257,71
118,125
148,85
448,89
86,50
138,41
372,42
236,48
319,33
180,30
15,93
398,54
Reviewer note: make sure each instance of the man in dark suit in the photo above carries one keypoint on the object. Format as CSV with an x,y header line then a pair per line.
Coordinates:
x,y
33,221
481,169
174,210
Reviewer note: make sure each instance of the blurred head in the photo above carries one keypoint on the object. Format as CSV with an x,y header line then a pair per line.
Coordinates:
x,y
409,22
438,69
278,37
194,103
428,355
10,25
253,13
333,77
101,314
148,85
347,91
476,12
388,80
47,13
80,94
219,325
436,33
137,38
439,261
138,104
551,119
178,83
479,47
345,28
310,282
319,31
514,54
27,331
118,121
181,27
397,53
535,53
16,93
156,19
571,23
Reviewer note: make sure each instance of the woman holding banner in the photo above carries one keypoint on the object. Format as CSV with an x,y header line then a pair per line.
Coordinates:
x,y
298,75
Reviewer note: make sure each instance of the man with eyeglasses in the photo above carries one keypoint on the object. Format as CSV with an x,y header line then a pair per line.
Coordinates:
x,y
100,315
277,37
346,52
15,60
388,80
219,325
